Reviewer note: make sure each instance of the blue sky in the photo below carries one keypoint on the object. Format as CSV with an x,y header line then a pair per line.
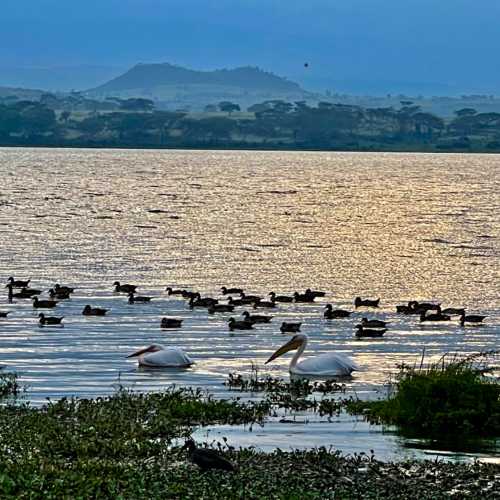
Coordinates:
x,y
449,42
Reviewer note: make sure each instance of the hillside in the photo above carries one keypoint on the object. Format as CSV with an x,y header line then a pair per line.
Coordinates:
x,y
174,86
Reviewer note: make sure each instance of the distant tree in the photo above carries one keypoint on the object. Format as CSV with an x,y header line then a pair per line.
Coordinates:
x,y
211,108
137,104
228,107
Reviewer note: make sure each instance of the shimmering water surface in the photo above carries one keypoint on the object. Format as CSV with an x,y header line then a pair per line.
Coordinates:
x,y
395,226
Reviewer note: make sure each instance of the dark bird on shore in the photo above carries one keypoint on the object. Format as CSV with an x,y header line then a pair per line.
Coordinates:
x,y
369,332
280,298
124,288
226,291
49,320
46,304
171,323
470,318
207,459
239,325
62,288
302,297
94,311
314,293
60,295
18,283
359,302
221,308
373,323
256,318
290,327
132,298
199,301
171,291
4,314
331,313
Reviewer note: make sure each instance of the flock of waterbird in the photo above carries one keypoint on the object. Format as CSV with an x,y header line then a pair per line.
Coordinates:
x,y
158,356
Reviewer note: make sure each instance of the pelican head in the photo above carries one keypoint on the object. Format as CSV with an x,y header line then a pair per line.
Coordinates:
x,y
151,348
294,343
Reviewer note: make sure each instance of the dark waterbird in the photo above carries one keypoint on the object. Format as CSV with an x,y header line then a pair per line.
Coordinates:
x,y
454,311
256,318
207,459
331,313
24,293
438,316
373,323
171,291
359,302
369,332
199,301
46,304
132,298
60,295
264,303
470,318
314,293
226,291
171,323
49,320
94,311
250,298
302,297
419,307
18,283
238,302
280,298
124,288
3,314
290,327
63,288
221,308
239,325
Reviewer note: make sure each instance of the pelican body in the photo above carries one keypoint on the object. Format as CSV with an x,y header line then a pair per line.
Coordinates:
x,y
324,365
158,356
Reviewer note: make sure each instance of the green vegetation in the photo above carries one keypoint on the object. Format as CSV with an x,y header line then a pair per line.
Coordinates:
x,y
122,447
76,120
449,399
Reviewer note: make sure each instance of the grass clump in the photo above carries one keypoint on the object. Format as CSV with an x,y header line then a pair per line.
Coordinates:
x,y
449,398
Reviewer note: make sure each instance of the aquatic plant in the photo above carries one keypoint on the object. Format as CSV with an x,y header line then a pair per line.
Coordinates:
x,y
9,386
451,398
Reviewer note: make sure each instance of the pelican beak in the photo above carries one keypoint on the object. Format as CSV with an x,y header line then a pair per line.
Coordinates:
x,y
140,351
289,346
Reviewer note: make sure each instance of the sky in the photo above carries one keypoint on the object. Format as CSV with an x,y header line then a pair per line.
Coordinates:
x,y
452,45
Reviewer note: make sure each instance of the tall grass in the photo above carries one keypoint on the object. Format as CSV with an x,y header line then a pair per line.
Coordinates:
x,y
452,397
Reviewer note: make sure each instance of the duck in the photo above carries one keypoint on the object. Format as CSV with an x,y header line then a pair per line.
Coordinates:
x,y
189,295
297,297
454,311
198,301
419,307
314,293
331,313
373,323
171,291
158,356
132,299
222,308
124,288
280,298
60,295
438,316
18,283
46,304
256,318
404,309
264,303
359,302
369,332
290,327
207,459
62,288
49,320
239,325
4,314
250,298
237,302
227,291
470,318
94,311
171,323
24,293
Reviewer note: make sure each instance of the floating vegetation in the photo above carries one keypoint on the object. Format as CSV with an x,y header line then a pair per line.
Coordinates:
x,y
449,398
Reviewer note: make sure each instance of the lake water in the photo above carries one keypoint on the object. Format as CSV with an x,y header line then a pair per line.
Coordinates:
x,y
394,226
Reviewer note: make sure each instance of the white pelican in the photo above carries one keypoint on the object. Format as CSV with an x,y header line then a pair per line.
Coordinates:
x,y
327,365
158,356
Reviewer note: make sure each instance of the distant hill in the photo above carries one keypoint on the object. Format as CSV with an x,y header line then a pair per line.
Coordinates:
x,y
178,86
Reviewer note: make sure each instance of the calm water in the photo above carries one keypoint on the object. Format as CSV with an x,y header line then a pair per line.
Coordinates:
x,y
395,226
